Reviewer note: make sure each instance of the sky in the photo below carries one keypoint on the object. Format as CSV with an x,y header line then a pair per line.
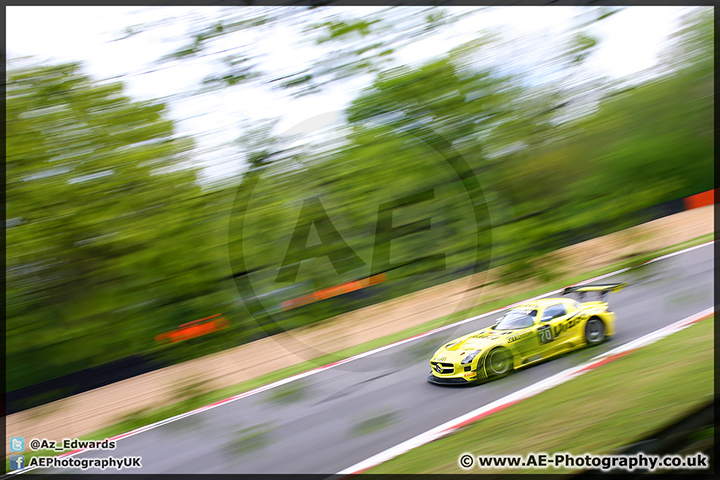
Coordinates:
x,y
631,42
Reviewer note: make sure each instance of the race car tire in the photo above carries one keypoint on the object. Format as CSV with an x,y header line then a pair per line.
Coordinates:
x,y
594,331
498,363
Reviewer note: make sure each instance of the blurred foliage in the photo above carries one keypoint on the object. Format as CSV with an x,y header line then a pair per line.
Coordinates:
x,y
349,44
112,241
101,209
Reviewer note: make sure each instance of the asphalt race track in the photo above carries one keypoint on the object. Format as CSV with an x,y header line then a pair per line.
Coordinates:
x,y
338,417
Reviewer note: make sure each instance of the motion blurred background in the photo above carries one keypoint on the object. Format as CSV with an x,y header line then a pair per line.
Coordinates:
x,y
158,160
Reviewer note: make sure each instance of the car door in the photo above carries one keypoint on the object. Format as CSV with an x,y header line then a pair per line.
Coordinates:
x,y
523,341
550,331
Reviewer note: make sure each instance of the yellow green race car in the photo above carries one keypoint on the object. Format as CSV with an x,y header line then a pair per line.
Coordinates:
x,y
526,334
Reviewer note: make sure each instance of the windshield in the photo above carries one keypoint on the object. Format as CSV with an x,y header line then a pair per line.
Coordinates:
x,y
516,319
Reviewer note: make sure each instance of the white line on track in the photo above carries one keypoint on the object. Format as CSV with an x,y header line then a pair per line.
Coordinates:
x,y
353,358
527,392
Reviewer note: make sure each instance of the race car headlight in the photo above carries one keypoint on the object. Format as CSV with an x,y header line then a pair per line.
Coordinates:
x,y
470,357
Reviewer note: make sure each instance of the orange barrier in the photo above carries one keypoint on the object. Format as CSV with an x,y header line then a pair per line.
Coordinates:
x,y
333,291
194,329
699,200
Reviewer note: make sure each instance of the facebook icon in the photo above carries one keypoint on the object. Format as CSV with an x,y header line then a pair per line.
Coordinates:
x,y
17,462
17,444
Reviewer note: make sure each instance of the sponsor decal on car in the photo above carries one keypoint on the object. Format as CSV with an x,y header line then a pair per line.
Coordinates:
x,y
567,324
519,336
525,309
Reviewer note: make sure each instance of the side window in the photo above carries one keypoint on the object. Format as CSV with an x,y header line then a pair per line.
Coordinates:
x,y
553,311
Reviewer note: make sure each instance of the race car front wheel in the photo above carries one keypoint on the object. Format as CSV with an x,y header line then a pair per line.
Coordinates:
x,y
594,331
498,363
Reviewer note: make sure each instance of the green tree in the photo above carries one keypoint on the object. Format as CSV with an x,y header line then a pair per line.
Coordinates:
x,y
101,205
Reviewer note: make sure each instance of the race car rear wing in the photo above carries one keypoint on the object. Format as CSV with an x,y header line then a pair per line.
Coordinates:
x,y
602,290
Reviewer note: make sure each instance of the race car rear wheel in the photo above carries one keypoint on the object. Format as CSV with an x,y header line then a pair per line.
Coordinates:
x,y
498,363
594,331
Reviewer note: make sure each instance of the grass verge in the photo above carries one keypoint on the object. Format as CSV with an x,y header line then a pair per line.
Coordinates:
x,y
187,403
599,412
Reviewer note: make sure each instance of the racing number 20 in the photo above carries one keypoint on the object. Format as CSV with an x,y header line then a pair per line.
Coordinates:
x,y
545,334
